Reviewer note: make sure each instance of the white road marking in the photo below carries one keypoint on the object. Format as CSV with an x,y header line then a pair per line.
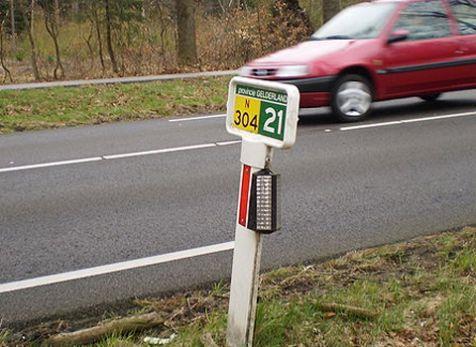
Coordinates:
x,y
215,144
227,143
120,156
116,267
56,163
373,125
197,118
159,151
404,121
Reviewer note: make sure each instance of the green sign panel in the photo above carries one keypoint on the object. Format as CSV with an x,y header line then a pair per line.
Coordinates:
x,y
260,111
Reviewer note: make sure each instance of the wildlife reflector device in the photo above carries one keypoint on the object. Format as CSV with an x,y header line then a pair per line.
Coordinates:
x,y
265,215
265,115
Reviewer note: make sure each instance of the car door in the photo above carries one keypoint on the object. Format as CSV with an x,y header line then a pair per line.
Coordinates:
x,y
419,63
464,12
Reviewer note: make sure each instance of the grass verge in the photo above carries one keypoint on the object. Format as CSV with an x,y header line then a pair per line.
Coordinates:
x,y
417,293
60,107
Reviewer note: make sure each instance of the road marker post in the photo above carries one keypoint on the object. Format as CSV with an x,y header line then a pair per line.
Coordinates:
x,y
265,115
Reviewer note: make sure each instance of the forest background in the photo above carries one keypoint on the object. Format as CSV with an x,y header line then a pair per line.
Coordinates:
x,y
44,40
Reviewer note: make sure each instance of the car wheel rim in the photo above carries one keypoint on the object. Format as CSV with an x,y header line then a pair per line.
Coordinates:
x,y
353,98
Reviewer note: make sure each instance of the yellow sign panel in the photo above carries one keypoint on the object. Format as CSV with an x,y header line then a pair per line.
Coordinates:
x,y
246,114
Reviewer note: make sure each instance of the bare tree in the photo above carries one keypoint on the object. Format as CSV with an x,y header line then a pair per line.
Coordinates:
x,y
28,11
186,45
329,9
57,11
12,24
161,17
95,22
6,71
110,47
50,11
88,39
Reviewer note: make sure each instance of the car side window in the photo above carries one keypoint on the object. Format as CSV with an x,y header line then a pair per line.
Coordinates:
x,y
424,20
465,13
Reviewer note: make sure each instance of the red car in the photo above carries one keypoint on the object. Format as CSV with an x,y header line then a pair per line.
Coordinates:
x,y
378,51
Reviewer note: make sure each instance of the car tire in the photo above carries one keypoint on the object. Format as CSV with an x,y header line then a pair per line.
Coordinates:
x,y
430,97
351,99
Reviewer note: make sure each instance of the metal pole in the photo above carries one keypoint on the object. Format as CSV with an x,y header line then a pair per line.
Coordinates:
x,y
246,257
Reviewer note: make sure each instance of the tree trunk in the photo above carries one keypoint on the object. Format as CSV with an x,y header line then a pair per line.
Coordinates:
x,y
13,29
294,15
88,40
163,27
57,12
52,28
329,9
187,46
97,24
110,47
28,16
6,71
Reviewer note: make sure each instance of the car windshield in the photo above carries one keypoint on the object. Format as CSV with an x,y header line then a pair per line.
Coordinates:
x,y
364,21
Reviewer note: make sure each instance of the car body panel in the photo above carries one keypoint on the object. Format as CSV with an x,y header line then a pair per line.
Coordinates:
x,y
466,51
408,66
303,52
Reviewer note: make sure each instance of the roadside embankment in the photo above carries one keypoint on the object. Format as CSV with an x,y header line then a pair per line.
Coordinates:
x,y
59,107
416,293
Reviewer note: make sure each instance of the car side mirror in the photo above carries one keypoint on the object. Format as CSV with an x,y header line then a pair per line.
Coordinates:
x,y
397,36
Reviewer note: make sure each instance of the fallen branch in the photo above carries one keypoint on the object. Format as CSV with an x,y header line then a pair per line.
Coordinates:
x,y
291,280
117,326
353,310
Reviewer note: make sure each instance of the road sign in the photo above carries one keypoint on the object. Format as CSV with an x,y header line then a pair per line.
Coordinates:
x,y
263,111
265,115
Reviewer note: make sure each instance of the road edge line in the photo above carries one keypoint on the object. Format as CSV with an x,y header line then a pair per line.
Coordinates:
x,y
115,267
50,164
405,121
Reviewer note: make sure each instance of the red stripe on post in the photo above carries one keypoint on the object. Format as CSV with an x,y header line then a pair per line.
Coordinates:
x,y
245,192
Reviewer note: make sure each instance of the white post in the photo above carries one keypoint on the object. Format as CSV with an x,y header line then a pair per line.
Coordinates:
x,y
265,115
246,256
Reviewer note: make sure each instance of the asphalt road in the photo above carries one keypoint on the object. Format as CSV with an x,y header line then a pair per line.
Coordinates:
x,y
343,188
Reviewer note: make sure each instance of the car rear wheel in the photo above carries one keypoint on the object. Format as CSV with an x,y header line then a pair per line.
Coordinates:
x,y
430,97
351,98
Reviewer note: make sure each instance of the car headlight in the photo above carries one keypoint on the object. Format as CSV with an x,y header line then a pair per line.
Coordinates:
x,y
245,71
292,71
